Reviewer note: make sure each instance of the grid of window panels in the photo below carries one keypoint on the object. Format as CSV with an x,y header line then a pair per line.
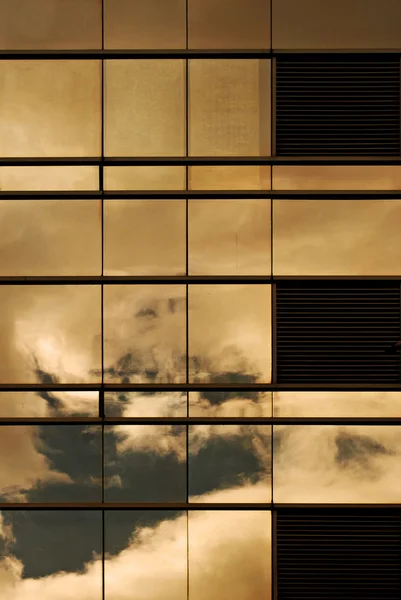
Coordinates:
x,y
199,280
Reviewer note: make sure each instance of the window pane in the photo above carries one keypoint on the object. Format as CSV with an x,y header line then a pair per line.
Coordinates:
x,y
327,177
229,554
215,177
229,237
35,563
229,107
138,24
337,404
234,460
144,178
144,329
146,555
230,404
52,463
145,463
50,334
337,237
50,237
314,25
49,404
31,179
50,24
144,237
50,108
230,333
330,463
146,404
145,107
229,24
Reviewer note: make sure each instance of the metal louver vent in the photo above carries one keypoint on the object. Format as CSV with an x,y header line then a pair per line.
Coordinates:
x,y
337,105
338,556
337,332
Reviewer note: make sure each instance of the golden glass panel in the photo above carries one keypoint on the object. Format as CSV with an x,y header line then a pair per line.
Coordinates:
x,y
334,25
216,177
50,334
229,24
144,178
337,237
50,108
229,554
144,237
144,334
145,107
230,333
337,404
48,404
229,237
230,404
229,107
149,24
50,24
50,237
54,179
349,177
337,464
225,461
145,404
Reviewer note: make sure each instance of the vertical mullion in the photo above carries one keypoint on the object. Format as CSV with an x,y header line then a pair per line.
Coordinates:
x,y
102,415
187,273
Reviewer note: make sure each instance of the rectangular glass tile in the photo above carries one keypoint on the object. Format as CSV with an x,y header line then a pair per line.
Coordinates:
x,y
333,177
230,404
49,404
50,334
50,108
32,179
144,178
229,237
229,103
144,237
144,334
337,237
216,177
230,333
145,463
50,237
145,404
145,107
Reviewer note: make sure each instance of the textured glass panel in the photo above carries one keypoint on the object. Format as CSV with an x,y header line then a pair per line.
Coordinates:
x,y
332,463
144,178
50,108
234,458
140,24
229,107
230,404
229,554
216,177
145,463
53,463
31,179
50,237
145,107
145,404
335,25
50,334
229,237
372,177
337,404
49,404
36,565
229,24
50,24
230,333
337,237
146,555
144,329
144,237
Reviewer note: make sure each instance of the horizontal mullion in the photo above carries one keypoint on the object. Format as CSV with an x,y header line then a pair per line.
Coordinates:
x,y
133,506
140,279
97,54
200,387
188,421
214,195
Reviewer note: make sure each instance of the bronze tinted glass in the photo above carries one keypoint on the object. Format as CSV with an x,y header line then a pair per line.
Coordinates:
x,y
146,404
230,404
32,179
330,177
144,178
49,404
225,177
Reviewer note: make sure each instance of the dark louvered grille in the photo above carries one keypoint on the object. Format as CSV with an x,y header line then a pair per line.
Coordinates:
x,y
343,556
337,332
334,106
